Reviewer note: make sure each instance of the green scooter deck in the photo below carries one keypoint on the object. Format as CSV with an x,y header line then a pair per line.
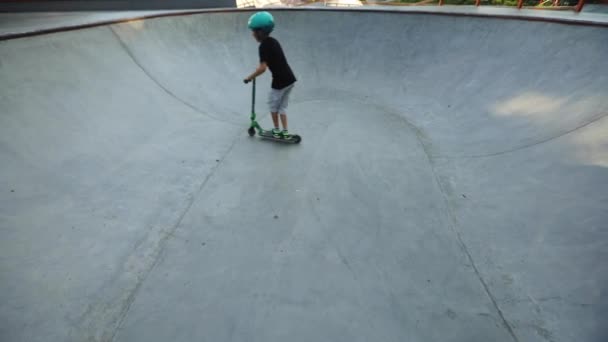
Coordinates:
x,y
291,139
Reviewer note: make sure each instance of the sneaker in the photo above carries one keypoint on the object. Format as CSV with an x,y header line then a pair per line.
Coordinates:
x,y
285,133
276,132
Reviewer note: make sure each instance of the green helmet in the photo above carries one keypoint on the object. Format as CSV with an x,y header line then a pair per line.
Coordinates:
x,y
261,21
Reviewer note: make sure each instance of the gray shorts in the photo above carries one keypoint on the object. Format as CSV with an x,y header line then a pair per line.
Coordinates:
x,y
278,100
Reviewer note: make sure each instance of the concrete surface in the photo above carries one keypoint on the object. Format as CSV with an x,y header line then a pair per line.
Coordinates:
x,y
24,23
452,182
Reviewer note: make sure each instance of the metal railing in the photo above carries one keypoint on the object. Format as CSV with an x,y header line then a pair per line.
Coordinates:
x,y
574,5
542,4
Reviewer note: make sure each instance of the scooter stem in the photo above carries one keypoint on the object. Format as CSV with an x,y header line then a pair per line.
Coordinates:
x,y
253,100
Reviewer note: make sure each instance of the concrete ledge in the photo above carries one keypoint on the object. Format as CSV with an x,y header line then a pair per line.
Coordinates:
x,y
112,5
17,25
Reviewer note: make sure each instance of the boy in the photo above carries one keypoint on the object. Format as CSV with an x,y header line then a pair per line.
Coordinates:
x,y
273,58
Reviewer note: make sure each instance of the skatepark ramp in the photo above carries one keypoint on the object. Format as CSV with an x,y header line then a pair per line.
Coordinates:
x,y
451,185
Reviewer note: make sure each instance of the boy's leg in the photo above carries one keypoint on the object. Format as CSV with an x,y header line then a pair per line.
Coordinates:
x,y
275,119
276,131
283,107
274,101
284,121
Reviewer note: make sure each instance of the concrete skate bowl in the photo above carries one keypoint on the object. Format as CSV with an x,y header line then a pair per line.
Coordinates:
x,y
451,185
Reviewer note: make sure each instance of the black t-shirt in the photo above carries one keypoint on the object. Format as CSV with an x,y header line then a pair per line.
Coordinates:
x,y
272,54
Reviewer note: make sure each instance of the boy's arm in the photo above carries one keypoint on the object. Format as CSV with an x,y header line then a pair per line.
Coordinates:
x,y
260,70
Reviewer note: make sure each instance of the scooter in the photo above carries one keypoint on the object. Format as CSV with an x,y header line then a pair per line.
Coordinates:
x,y
267,134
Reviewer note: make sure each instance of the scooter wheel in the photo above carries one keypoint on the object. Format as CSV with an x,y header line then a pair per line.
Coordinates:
x,y
251,131
297,139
